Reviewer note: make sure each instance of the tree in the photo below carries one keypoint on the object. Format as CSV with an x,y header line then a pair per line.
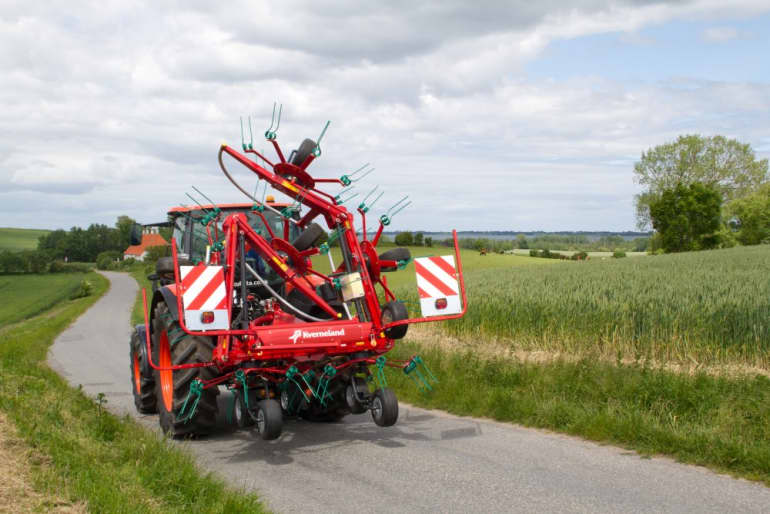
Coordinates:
x,y
751,216
687,217
418,239
404,239
727,164
429,242
124,226
521,242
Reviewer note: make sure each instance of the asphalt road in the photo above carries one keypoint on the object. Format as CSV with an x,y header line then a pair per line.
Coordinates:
x,y
428,462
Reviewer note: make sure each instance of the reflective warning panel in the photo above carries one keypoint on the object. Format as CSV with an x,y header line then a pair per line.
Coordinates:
x,y
203,297
437,285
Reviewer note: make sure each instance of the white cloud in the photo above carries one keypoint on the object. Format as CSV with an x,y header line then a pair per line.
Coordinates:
x,y
109,109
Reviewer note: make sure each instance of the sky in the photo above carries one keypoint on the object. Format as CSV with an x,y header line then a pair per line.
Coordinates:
x,y
512,115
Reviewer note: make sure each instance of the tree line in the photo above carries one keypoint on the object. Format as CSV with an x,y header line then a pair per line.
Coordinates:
x,y
703,192
60,250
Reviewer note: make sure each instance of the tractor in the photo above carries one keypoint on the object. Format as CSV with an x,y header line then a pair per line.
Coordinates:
x,y
242,305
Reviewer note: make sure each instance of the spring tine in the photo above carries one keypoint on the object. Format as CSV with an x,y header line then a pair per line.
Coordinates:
x,y
371,192
204,196
359,169
407,204
389,213
367,172
196,201
375,200
272,119
243,141
280,110
251,135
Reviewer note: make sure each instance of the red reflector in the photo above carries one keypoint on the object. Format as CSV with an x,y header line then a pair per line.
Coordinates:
x,y
441,303
207,317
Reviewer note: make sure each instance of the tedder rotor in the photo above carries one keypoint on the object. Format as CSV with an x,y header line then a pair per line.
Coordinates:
x,y
240,305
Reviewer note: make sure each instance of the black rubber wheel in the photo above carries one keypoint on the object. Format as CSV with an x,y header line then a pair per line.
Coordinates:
x,y
269,419
308,238
396,254
173,346
350,395
241,416
302,153
385,407
142,385
395,311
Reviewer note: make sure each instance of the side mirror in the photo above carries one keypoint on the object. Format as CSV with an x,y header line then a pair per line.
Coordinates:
x,y
136,234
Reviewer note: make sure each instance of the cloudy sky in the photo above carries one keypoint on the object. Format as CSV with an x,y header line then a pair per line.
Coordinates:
x,y
514,115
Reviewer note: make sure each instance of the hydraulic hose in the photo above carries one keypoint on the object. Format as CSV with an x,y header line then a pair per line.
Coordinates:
x,y
282,299
238,186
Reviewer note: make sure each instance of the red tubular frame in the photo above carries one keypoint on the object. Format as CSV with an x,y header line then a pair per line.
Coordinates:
x,y
254,342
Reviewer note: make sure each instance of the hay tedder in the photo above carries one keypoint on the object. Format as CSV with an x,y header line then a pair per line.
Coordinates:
x,y
241,304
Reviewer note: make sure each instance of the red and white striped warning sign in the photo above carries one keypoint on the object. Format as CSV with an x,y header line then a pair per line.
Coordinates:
x,y
437,285
203,290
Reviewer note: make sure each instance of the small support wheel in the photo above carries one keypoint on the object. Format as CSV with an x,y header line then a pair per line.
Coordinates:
x,y
395,311
240,412
355,390
269,420
385,407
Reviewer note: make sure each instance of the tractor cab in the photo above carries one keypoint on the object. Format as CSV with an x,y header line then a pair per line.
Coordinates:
x,y
192,237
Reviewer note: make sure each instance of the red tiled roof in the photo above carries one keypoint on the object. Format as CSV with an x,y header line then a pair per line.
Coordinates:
x,y
148,240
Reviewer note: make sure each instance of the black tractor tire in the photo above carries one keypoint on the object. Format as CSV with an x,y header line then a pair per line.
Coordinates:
x,y
301,154
396,254
395,311
142,386
385,407
350,397
182,348
308,238
269,420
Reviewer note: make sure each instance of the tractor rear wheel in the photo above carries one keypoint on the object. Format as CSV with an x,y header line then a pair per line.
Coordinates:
x,y
172,346
142,386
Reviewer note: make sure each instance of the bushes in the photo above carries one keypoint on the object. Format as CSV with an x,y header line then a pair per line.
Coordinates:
x,y
107,260
618,254
26,261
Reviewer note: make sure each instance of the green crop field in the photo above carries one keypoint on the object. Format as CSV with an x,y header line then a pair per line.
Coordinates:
x,y
27,295
20,238
471,261
712,307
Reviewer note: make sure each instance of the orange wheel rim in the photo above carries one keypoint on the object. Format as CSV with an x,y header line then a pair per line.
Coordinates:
x,y
166,375
137,375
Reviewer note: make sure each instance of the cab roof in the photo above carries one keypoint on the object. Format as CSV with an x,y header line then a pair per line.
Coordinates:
x,y
224,207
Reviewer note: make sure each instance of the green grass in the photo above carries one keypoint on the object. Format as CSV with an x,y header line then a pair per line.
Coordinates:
x,y
20,238
28,295
110,463
719,422
712,307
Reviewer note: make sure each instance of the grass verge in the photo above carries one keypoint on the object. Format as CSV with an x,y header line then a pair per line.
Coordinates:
x,y
719,422
111,464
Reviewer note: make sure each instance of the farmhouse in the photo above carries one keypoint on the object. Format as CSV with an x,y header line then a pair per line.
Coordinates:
x,y
150,238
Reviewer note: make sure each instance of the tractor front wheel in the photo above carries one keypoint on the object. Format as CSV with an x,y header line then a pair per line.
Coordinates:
x,y
142,385
172,346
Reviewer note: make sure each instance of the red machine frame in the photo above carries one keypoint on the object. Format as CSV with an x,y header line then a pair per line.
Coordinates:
x,y
267,337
